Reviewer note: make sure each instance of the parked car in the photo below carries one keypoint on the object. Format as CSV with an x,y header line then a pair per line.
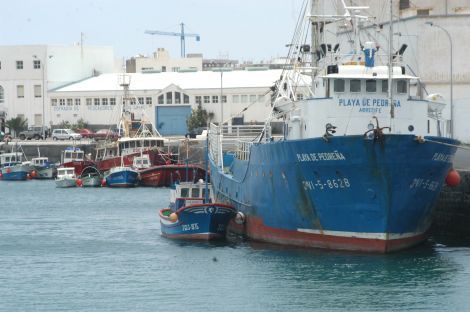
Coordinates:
x,y
32,133
65,134
104,134
86,133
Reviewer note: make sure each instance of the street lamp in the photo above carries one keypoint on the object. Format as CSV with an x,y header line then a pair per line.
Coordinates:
x,y
451,78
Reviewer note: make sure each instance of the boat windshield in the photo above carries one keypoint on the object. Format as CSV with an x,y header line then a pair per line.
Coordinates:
x,y
195,193
184,192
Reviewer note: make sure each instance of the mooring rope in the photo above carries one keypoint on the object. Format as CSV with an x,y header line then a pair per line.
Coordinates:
x,y
420,139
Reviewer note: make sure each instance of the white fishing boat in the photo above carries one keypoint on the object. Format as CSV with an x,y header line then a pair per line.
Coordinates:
x,y
66,177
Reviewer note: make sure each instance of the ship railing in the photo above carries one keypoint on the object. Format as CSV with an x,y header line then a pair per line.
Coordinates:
x,y
243,150
232,138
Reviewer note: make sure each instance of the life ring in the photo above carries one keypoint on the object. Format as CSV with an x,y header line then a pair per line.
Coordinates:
x,y
239,218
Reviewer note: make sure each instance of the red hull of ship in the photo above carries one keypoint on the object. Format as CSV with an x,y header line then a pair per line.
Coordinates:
x,y
166,175
106,164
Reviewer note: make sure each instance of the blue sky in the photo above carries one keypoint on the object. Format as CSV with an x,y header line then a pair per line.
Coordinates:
x,y
245,30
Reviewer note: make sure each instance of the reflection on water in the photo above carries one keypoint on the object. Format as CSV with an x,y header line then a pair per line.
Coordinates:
x,y
101,250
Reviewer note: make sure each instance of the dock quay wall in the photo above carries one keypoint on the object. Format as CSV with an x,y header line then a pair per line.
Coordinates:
x,y
452,212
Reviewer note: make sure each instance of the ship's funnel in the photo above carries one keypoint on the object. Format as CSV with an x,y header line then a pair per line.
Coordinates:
x,y
369,52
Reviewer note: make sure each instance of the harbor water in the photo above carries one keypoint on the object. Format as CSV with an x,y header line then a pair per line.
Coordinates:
x,y
101,250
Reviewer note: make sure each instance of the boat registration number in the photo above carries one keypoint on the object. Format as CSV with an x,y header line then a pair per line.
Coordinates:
x,y
190,227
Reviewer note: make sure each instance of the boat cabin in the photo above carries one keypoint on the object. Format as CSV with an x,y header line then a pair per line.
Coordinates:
x,y
188,193
71,154
136,145
9,159
141,162
40,161
65,172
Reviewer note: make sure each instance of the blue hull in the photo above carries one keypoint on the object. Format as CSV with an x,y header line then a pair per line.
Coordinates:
x,y
348,193
200,221
14,174
124,178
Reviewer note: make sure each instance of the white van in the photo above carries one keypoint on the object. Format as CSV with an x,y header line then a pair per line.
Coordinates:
x,y
65,134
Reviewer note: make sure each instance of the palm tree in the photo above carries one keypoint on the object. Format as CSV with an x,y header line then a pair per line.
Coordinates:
x,y
17,124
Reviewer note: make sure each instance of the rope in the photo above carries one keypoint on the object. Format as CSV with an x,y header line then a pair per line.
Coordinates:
x,y
423,140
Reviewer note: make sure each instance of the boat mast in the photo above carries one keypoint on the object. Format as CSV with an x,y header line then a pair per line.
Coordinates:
x,y
315,38
390,65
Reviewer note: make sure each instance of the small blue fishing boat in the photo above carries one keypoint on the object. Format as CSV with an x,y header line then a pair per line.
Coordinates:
x,y
13,168
122,177
43,168
193,215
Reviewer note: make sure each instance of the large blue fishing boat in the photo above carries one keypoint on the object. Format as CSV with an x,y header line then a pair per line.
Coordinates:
x,y
122,177
12,168
193,215
360,160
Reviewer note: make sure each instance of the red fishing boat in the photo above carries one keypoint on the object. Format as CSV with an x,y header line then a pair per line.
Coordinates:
x,y
75,157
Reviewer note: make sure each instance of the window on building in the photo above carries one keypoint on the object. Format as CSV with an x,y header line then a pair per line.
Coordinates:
x,y
169,98
148,100
36,64
371,85
224,99
260,98
96,101
404,4
300,96
355,85
19,64
53,102
112,101
133,101
104,101
215,99
402,86
198,99
77,102
20,91
161,99
2,95
88,101
0,65
252,98
177,98
62,102
163,70
207,99
244,98
185,99
339,85
422,12
384,84
235,99
69,102
37,91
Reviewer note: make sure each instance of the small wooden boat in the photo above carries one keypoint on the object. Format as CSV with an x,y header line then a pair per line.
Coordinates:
x,y
42,168
66,177
90,177
122,177
193,215
12,168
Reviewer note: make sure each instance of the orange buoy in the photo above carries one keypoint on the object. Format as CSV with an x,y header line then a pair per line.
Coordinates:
x,y
79,182
1,175
173,217
453,178
103,182
34,173
28,176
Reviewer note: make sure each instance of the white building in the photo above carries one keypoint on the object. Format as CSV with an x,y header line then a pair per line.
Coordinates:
x,y
166,99
162,62
27,72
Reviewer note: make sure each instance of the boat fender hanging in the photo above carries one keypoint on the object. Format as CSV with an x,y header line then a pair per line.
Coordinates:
x,y
78,182
103,182
33,173
453,178
239,218
173,217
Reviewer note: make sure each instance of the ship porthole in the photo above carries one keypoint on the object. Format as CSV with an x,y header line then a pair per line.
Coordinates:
x,y
411,128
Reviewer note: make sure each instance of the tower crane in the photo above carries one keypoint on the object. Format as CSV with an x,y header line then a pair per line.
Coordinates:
x,y
181,34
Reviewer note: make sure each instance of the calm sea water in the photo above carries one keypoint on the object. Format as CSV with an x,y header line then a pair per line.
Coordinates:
x,y
101,250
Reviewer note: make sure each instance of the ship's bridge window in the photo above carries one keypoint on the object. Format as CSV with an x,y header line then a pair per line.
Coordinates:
x,y
402,86
371,85
184,192
195,193
204,192
146,143
355,85
339,85
384,84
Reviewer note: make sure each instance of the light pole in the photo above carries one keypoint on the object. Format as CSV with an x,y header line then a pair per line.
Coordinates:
x,y
451,78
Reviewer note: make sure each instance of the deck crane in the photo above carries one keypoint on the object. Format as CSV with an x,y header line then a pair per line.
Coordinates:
x,y
182,35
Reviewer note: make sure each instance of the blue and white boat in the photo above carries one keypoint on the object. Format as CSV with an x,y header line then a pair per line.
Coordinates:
x,y
355,167
193,215
66,177
122,177
43,168
12,167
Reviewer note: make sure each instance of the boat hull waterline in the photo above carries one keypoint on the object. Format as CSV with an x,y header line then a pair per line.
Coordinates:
x,y
347,192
